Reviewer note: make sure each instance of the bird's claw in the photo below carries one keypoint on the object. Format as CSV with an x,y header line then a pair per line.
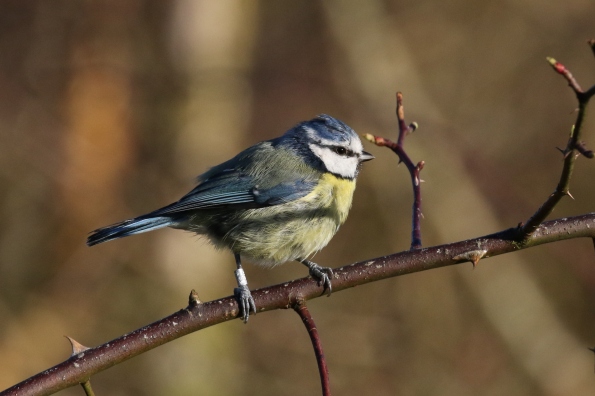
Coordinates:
x,y
245,302
323,275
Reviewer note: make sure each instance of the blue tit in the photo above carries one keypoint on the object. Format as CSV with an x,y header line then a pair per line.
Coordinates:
x,y
279,200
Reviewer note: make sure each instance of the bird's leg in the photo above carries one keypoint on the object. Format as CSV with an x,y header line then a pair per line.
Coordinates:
x,y
242,293
322,274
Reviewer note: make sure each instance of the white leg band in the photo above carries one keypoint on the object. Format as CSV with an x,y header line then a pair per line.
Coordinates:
x,y
241,277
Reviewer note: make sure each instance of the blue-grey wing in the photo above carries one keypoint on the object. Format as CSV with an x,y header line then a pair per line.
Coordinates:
x,y
250,180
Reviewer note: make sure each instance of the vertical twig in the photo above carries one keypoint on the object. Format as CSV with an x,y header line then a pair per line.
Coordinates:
x,y
87,387
414,170
302,310
574,148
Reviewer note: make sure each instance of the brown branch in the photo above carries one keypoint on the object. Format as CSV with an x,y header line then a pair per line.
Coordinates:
x,y
302,309
570,153
77,369
414,170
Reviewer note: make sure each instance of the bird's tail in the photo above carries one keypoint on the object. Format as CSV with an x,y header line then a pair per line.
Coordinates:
x,y
128,227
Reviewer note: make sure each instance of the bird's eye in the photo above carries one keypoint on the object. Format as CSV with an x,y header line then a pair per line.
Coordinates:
x,y
340,150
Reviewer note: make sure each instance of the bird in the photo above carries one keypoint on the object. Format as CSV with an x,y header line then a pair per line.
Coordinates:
x,y
279,200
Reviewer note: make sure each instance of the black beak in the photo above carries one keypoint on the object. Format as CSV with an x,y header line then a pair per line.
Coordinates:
x,y
366,157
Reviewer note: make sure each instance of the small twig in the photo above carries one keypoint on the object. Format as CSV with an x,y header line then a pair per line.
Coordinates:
x,y
573,146
561,69
302,310
414,170
87,387
581,148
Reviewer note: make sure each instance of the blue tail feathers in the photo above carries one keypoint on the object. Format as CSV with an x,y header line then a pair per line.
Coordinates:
x,y
128,227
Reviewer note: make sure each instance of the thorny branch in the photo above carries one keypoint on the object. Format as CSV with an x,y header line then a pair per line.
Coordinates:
x,y
573,149
414,170
77,369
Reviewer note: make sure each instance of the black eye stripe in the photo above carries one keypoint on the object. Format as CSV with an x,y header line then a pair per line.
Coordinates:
x,y
341,150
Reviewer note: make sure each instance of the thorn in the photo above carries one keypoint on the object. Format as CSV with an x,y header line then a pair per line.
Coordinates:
x,y
413,126
193,299
569,194
422,181
77,347
473,255
565,152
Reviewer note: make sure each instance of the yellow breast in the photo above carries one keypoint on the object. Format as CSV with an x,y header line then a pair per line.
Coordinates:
x,y
339,194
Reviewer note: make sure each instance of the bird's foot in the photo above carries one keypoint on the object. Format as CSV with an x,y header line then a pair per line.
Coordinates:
x,y
245,301
322,274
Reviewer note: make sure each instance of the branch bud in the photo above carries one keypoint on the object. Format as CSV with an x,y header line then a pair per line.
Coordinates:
x,y
558,67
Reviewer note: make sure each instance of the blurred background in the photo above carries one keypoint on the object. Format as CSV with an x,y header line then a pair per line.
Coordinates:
x,y
109,109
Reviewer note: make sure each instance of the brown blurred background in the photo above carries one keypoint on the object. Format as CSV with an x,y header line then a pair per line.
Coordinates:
x,y
109,109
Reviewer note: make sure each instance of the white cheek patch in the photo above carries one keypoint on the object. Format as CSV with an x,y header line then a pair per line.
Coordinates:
x,y
340,165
